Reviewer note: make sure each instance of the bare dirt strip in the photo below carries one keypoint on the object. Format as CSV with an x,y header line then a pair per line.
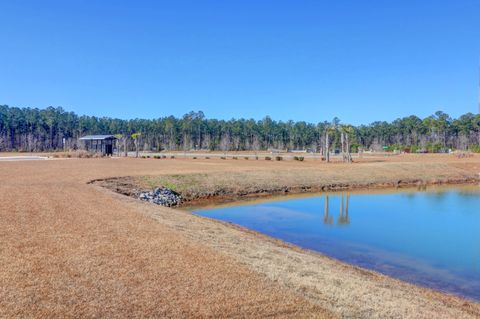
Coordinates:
x,y
73,249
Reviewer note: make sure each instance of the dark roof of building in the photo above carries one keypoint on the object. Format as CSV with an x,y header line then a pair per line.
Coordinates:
x,y
97,137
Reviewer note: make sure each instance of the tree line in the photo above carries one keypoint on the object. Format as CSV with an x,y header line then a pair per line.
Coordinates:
x,y
53,128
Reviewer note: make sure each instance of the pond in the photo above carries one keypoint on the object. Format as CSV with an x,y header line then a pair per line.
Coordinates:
x,y
429,237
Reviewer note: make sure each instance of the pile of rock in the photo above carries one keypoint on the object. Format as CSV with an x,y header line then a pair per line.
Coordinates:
x,y
161,196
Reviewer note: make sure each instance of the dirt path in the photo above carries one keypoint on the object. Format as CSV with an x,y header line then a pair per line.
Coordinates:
x,y
72,250
22,158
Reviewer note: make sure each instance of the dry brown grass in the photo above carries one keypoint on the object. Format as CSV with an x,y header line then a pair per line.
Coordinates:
x,y
70,249
226,186
349,292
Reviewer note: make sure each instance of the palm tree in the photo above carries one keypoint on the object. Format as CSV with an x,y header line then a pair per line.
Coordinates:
x,y
135,137
346,131
331,129
119,137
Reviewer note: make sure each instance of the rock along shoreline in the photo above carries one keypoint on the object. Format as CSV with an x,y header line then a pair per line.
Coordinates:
x,y
161,196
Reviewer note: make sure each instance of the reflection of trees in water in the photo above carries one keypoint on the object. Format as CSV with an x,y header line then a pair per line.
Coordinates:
x,y
327,219
343,218
421,187
469,193
439,195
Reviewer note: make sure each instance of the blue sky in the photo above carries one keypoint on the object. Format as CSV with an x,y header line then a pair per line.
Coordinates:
x,y
303,60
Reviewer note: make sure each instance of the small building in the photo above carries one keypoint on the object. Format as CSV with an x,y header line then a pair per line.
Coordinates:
x,y
102,144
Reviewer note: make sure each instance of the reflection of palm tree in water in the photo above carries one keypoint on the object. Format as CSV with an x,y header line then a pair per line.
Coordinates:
x,y
343,218
327,219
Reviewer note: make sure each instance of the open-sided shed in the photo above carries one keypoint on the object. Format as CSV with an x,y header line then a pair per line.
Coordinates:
x,y
102,144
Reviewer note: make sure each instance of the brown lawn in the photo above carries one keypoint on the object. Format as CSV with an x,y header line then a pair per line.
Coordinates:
x,y
72,249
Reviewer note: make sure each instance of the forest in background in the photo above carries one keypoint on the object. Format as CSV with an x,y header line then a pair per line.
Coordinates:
x,y
53,128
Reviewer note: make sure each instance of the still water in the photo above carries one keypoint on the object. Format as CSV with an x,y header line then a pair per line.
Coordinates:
x,y
429,237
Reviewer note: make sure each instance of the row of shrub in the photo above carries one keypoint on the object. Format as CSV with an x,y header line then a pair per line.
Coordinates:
x,y
76,154
427,148
267,158
277,158
157,156
236,157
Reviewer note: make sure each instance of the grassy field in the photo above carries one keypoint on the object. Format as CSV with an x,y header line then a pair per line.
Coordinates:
x,y
75,249
286,178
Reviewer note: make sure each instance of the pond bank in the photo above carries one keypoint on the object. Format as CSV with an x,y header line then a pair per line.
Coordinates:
x,y
221,187
345,290
342,289
428,237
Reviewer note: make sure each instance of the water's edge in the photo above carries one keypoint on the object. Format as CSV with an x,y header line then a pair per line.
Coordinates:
x,y
403,272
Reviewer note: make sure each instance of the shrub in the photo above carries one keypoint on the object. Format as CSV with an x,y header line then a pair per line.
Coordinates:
x,y
143,156
475,148
223,157
206,157
234,157
414,149
391,148
194,157
268,158
164,156
148,156
246,157
433,147
83,154
298,158
256,157
172,156
278,158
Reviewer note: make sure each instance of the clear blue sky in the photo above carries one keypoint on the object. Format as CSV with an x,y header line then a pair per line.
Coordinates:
x,y
302,60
